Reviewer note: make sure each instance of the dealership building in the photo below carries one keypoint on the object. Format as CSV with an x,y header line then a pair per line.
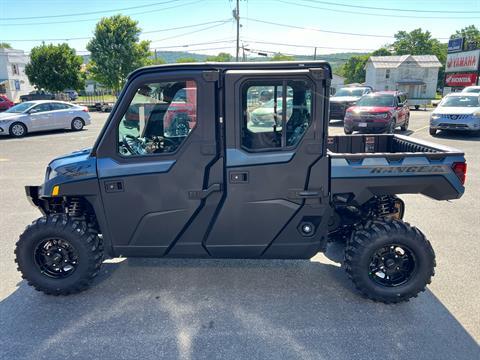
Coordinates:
x,y
462,68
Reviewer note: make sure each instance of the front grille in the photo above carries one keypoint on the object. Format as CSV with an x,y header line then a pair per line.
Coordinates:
x,y
455,116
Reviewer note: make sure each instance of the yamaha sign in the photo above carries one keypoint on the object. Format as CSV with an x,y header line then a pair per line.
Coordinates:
x,y
463,61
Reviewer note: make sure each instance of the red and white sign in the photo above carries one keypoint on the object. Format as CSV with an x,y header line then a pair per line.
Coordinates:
x,y
463,61
461,79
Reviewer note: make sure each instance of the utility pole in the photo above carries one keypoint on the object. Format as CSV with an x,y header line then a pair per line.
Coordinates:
x,y
315,54
236,16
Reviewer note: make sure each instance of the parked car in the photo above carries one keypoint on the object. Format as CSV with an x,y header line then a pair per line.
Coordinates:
x,y
41,115
382,111
5,103
457,111
72,94
344,98
472,89
266,113
37,95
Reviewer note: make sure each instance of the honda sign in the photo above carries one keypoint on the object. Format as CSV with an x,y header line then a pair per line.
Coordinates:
x,y
461,79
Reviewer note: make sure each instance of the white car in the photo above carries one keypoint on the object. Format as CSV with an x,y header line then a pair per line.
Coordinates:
x,y
472,89
456,111
42,115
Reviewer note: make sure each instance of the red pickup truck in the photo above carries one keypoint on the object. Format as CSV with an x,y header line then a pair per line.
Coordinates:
x,y
5,103
381,111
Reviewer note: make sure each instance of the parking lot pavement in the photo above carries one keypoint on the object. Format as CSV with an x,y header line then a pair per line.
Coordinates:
x,y
238,309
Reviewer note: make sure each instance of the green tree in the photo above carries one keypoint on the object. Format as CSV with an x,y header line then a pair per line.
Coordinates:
x,y
186,60
5,45
221,57
156,61
354,69
470,33
415,42
116,50
381,52
55,68
282,57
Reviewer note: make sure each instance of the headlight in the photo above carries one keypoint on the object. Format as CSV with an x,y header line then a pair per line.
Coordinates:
x,y
476,114
382,115
435,116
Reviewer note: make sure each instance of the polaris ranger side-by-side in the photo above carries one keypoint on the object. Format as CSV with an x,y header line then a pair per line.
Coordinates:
x,y
181,170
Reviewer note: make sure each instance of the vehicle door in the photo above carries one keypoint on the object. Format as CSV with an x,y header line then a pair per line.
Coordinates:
x,y
40,118
276,189
62,115
399,109
161,185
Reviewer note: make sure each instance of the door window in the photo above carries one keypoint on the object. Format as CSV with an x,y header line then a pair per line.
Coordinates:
x,y
59,106
41,108
276,115
159,118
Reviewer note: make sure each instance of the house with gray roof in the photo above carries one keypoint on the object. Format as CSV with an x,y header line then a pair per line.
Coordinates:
x,y
416,75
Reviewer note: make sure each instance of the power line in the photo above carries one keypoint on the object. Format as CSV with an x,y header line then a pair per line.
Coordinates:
x,y
391,9
193,32
143,32
195,44
323,31
96,19
370,14
306,46
90,12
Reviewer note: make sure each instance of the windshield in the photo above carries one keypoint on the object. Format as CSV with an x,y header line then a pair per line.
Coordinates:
x,y
460,101
376,100
20,107
349,92
472,90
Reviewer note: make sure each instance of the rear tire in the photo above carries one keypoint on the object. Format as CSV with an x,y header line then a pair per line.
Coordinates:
x,y
59,255
389,261
77,124
348,132
18,130
432,132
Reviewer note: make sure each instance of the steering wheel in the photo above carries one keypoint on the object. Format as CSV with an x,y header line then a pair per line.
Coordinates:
x,y
132,149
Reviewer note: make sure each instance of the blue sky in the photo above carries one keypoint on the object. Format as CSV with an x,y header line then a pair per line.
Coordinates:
x,y
21,20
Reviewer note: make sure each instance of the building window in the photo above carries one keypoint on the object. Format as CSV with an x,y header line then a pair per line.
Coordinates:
x,y
15,69
387,74
386,87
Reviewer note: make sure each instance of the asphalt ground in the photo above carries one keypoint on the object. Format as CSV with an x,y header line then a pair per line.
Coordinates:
x,y
237,309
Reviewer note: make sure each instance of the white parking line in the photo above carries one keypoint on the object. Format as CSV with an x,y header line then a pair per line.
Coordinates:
x,y
426,126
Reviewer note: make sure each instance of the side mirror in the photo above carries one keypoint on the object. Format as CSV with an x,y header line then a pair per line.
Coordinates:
x,y
33,111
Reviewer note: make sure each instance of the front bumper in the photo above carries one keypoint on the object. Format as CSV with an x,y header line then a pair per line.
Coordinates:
x,y
33,196
370,125
462,122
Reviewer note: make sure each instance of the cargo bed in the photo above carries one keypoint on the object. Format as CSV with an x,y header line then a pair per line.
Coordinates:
x,y
370,165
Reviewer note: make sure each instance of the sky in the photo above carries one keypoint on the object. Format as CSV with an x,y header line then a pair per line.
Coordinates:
x,y
168,23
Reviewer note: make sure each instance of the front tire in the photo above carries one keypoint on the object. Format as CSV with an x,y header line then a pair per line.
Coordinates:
x,y
389,261
391,127
404,127
59,255
18,130
432,132
77,124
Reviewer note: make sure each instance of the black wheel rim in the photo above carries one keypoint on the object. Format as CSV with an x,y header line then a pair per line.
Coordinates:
x,y
56,258
392,265
181,129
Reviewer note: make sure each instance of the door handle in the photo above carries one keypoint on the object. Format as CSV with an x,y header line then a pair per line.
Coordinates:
x,y
305,194
203,194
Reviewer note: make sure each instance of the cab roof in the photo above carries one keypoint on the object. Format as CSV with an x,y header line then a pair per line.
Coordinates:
x,y
225,66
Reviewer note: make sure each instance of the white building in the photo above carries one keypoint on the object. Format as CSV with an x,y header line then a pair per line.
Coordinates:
x,y
337,82
13,80
415,75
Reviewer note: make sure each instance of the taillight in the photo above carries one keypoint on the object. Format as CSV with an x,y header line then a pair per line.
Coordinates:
x,y
85,108
460,169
